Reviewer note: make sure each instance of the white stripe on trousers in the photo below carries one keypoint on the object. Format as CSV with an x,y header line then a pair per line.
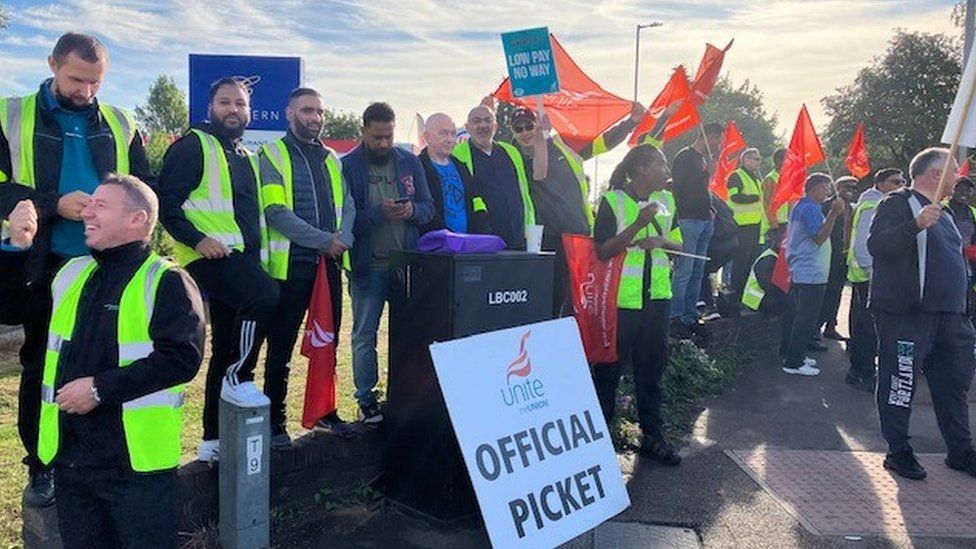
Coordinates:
x,y
246,343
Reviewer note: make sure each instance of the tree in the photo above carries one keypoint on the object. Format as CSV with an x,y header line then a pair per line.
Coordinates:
x,y
4,20
742,104
904,98
165,109
341,125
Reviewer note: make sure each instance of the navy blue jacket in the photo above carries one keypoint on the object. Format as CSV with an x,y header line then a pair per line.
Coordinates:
x,y
411,182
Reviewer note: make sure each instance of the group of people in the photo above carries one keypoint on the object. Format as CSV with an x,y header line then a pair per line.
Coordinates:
x,y
115,332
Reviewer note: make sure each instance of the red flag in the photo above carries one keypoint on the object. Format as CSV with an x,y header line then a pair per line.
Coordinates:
x,y
963,168
581,110
594,286
857,154
318,346
685,118
781,269
708,71
732,144
804,151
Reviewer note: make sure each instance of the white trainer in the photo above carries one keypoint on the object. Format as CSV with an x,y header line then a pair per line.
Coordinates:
x,y
804,370
245,394
812,362
209,451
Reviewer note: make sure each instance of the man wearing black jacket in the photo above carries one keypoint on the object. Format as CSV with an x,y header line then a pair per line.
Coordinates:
x,y
458,205
213,211
127,332
918,297
55,146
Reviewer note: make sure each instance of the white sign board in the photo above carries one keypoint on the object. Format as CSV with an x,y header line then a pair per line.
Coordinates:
x,y
534,440
961,114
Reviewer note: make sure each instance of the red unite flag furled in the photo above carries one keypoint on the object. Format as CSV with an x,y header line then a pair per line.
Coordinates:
x,y
804,151
318,345
594,286
677,90
732,144
857,154
581,110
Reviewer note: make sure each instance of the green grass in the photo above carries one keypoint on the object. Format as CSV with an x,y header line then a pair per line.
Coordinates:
x,y
13,475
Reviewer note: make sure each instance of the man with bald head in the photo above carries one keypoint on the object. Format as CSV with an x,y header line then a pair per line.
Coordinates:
x,y
458,205
499,172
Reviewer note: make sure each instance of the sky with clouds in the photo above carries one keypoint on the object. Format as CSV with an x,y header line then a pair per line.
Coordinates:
x,y
444,55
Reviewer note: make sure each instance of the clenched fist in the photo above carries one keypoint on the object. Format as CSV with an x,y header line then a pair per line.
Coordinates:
x,y
928,216
23,224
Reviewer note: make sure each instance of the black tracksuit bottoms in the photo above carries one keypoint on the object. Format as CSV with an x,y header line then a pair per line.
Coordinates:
x,y
940,345
242,299
642,339
863,345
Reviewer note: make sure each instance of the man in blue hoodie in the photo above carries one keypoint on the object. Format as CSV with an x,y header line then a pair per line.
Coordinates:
x,y
393,201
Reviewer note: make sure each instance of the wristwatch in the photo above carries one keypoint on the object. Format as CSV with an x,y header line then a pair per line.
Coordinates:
x,y
94,394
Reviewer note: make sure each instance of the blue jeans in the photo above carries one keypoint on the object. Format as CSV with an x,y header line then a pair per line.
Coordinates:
x,y
368,298
688,272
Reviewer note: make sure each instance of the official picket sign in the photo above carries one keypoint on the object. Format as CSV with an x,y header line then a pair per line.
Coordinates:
x,y
270,80
530,62
531,431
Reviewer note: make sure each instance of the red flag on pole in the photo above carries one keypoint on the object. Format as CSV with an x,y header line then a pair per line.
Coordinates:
x,y
594,285
781,269
963,169
686,117
732,144
318,345
804,151
581,110
708,71
857,154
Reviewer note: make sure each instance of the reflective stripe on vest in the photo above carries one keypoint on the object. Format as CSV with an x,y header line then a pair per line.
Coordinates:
x,y
151,423
575,162
746,214
463,153
625,210
18,119
279,247
753,293
210,206
855,272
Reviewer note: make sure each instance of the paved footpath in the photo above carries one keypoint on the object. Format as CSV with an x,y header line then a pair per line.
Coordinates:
x,y
775,461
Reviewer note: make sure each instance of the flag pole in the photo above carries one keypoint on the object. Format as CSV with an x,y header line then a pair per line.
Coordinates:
x,y
705,139
943,189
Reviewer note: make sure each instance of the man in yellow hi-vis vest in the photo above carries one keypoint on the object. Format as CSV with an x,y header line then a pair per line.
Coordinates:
x,y
210,203
746,201
56,144
310,214
126,334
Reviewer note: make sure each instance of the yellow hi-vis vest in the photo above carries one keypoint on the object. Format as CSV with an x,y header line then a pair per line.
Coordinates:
x,y
575,162
747,214
210,206
151,423
279,247
753,293
783,213
855,272
462,151
18,118
625,210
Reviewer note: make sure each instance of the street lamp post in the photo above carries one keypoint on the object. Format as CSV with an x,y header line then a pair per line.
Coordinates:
x,y
640,27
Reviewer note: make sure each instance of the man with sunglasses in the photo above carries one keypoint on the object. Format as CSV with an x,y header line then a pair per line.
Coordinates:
x,y
560,188
863,343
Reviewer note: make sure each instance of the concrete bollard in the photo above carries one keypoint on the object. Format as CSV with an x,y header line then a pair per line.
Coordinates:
x,y
245,475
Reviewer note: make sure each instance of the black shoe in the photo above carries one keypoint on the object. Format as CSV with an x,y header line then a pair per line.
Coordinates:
x,y
831,333
370,414
865,385
905,465
333,425
39,491
817,347
659,450
965,462
280,440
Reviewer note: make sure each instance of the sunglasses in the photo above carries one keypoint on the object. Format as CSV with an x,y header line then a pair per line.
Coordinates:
x,y
519,128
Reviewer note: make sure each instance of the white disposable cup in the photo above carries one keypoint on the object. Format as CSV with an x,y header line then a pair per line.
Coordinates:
x,y
533,238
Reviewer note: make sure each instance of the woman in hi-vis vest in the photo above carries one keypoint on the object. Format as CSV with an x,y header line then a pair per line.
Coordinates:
x,y
636,217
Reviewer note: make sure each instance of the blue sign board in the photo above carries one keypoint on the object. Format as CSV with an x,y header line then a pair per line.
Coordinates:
x,y
270,79
531,65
